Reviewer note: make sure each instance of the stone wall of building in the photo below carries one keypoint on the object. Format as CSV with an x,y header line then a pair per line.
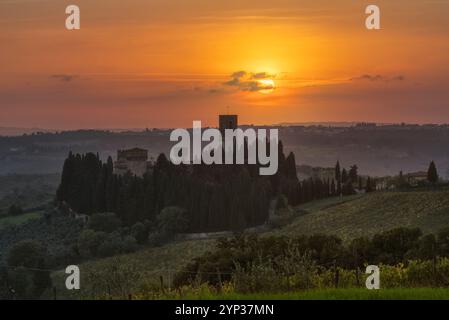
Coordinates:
x,y
133,160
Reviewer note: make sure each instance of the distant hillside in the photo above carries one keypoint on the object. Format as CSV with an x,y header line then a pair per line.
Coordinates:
x,y
12,131
27,191
374,213
377,150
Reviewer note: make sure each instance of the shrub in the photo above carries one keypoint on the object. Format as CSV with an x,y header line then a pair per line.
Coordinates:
x,y
15,210
282,202
325,249
443,241
427,248
256,277
157,239
89,242
116,278
129,244
28,276
140,232
172,220
391,246
27,253
111,245
293,271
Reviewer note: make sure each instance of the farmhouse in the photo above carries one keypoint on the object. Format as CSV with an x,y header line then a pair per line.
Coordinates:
x,y
134,161
415,178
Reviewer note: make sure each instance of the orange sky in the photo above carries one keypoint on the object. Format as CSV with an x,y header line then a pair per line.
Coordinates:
x,y
160,63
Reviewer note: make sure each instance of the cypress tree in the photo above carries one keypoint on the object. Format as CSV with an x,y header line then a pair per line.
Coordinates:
x,y
353,174
344,176
369,187
432,174
338,177
333,189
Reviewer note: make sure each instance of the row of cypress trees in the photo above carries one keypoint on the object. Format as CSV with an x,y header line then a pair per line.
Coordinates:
x,y
215,197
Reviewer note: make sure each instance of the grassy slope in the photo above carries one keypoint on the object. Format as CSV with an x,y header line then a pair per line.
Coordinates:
x,y
169,256
151,263
28,191
374,213
317,205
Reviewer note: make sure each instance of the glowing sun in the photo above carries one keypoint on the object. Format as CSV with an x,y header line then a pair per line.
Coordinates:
x,y
266,85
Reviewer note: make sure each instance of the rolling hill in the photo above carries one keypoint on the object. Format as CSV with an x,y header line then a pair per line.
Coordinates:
x,y
374,213
348,218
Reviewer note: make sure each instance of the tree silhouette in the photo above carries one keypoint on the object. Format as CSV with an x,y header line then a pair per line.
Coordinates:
x,y
338,177
432,174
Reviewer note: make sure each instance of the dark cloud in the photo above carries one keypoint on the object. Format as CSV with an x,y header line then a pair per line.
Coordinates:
x,y
239,74
64,77
378,77
246,81
236,78
233,82
261,75
398,78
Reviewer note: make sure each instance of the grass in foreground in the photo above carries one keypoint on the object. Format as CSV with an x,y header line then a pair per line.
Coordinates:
x,y
347,218
337,294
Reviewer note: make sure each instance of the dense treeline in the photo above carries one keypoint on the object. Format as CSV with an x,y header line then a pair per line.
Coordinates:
x,y
215,197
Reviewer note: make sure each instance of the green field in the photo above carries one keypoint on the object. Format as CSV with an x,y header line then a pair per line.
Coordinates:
x,y
317,205
147,265
373,213
19,219
337,294
27,191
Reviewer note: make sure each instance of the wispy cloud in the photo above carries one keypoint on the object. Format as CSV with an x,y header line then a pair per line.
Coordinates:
x,y
248,81
64,77
378,77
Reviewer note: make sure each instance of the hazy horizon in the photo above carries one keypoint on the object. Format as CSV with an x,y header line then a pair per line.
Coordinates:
x,y
283,124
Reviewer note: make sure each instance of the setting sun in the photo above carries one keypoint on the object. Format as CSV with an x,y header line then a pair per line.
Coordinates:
x,y
267,85
167,64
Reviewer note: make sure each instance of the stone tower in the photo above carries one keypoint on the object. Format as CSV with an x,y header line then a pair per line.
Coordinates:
x,y
228,122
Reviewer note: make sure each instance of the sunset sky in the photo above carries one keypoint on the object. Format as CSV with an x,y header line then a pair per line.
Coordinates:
x,y
161,63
